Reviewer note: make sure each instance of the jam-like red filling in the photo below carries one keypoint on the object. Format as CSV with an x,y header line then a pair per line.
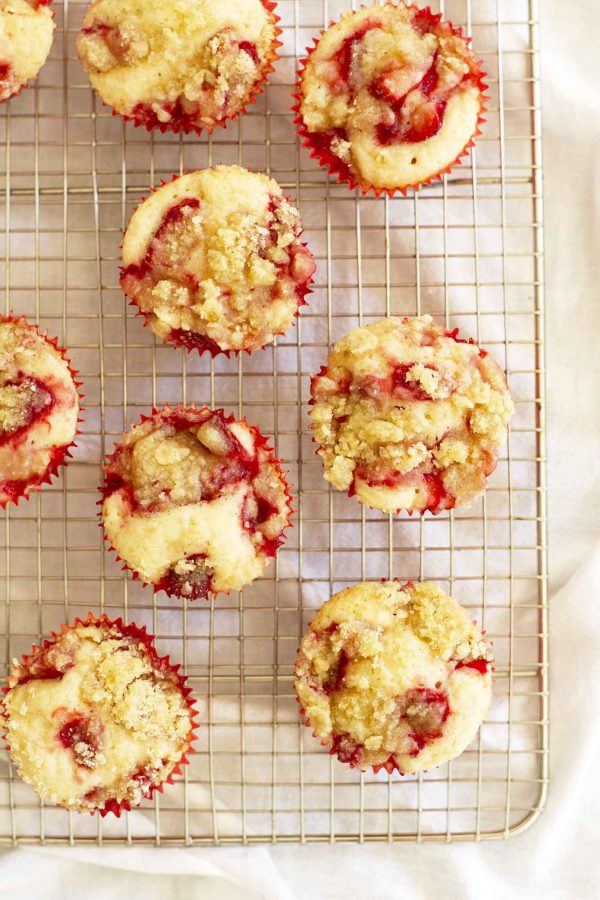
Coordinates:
x,y
42,665
38,399
193,585
82,736
112,37
250,48
425,120
425,711
346,55
5,70
193,340
437,497
483,666
42,673
405,389
347,749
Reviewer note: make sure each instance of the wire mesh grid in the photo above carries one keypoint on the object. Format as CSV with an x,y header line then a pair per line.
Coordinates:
x,y
468,251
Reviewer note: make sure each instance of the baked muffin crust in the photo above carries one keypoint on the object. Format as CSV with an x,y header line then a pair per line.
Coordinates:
x,y
214,260
394,676
39,407
177,64
94,719
408,416
195,502
390,97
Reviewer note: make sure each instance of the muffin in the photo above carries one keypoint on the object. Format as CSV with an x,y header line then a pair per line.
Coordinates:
x,y
181,65
394,676
194,502
39,409
214,261
95,719
409,417
26,33
391,96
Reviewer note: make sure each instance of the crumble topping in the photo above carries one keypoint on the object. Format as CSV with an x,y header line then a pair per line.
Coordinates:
x,y
95,718
408,416
38,408
393,93
26,33
187,64
394,676
214,260
177,485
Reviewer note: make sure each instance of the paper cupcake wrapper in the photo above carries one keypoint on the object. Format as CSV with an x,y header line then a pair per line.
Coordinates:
x,y
151,123
261,441
162,663
24,488
31,81
208,345
318,144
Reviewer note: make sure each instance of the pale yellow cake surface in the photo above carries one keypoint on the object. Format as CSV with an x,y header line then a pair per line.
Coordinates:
x,y
395,50
24,353
26,35
241,246
137,713
386,445
170,522
370,651
181,54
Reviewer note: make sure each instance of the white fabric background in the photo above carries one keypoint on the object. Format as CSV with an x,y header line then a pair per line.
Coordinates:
x,y
558,857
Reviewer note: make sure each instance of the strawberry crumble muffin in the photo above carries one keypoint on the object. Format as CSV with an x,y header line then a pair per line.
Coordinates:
x,y
26,33
95,719
195,502
214,261
394,676
178,64
391,96
39,408
409,417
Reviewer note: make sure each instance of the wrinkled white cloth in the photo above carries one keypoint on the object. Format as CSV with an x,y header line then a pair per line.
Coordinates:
x,y
559,856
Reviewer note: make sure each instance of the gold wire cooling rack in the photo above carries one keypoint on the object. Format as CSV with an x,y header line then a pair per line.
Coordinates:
x,y
468,251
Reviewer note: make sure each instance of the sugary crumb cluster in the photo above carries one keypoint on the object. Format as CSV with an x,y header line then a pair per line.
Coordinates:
x,y
214,260
390,96
26,32
195,502
177,64
394,676
39,407
94,718
408,416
